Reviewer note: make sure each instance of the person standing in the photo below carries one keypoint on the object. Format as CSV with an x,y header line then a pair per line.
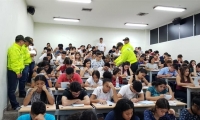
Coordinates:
x,y
127,55
127,43
101,46
27,58
32,65
15,67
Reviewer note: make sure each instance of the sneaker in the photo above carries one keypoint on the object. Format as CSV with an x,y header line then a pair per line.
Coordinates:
x,y
17,108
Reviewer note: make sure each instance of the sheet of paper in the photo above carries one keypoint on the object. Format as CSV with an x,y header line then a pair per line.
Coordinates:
x,y
146,102
78,105
26,106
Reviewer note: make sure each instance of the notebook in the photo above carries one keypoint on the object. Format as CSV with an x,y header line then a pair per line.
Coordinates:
x,y
64,84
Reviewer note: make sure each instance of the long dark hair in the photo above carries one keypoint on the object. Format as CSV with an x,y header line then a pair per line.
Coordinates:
x,y
121,106
160,103
140,70
125,63
43,96
190,65
182,74
85,61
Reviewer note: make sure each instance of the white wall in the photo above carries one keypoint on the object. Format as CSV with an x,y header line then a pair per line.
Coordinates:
x,y
14,20
79,35
188,47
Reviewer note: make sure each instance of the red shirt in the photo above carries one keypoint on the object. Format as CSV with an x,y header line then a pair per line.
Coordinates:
x,y
63,78
114,81
64,67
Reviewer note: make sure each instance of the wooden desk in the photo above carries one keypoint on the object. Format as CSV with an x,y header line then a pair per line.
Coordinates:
x,y
90,90
57,92
189,90
68,110
51,109
99,109
151,72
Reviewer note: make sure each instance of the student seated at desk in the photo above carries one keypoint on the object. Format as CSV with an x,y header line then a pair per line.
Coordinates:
x,y
67,63
183,79
107,74
141,59
104,93
192,67
97,62
49,70
192,113
158,90
126,70
40,64
151,65
39,93
69,76
168,71
105,68
38,112
140,76
161,111
123,110
60,59
77,60
41,71
75,95
94,80
131,91
116,75
86,70
197,73
167,63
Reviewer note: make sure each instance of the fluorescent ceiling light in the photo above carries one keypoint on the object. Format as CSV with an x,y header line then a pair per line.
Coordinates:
x,y
173,9
136,24
66,19
79,1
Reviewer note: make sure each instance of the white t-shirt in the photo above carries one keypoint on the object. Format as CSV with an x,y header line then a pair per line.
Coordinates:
x,y
152,66
91,81
101,46
101,95
127,93
60,60
31,50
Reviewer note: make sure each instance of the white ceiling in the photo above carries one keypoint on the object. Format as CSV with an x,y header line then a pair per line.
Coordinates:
x,y
111,13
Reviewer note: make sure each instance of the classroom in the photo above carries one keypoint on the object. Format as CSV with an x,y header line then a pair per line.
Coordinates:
x,y
100,60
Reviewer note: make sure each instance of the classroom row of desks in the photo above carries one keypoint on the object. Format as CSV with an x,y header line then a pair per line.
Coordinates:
x,y
98,108
89,90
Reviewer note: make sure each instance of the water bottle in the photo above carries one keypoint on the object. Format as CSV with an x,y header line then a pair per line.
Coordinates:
x,y
117,82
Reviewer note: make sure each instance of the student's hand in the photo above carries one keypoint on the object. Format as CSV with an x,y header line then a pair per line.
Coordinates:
x,y
162,96
39,117
194,66
94,86
171,111
86,69
168,75
44,88
111,85
134,100
103,102
19,75
78,101
34,89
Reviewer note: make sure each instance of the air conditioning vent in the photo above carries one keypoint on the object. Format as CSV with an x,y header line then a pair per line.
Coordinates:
x,y
142,14
87,9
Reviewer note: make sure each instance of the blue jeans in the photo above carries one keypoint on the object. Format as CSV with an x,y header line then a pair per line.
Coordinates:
x,y
31,67
12,86
22,81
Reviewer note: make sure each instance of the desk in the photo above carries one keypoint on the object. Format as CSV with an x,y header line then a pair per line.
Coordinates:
x,y
189,90
84,79
57,92
90,90
173,79
100,109
68,110
151,72
141,66
51,109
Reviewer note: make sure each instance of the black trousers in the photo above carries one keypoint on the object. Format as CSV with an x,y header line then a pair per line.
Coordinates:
x,y
134,67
